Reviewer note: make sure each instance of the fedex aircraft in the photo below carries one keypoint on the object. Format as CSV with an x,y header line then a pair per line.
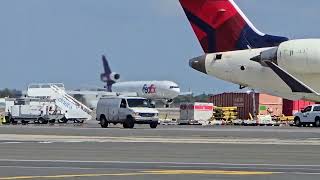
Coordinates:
x,y
236,51
153,90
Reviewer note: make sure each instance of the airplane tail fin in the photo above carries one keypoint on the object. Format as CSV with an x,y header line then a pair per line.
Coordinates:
x,y
221,26
106,67
105,77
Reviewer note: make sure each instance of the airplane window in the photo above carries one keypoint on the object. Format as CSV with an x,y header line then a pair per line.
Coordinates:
x,y
218,57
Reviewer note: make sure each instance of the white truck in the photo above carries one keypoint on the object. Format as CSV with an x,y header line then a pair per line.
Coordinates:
x,y
127,111
40,111
309,115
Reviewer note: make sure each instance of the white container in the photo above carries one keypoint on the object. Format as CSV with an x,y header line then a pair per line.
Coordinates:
x,y
194,113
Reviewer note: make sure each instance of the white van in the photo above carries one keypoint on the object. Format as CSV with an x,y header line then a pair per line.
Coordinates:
x,y
127,111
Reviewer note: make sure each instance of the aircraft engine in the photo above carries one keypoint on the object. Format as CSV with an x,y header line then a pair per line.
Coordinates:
x,y
298,56
115,77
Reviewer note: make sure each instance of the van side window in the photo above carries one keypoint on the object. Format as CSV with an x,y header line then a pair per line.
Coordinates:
x,y
123,103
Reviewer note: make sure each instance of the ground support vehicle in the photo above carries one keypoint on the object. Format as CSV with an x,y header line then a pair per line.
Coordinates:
x,y
127,111
308,116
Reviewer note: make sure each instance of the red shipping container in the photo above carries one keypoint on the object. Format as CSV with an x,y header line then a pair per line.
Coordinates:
x,y
291,107
244,102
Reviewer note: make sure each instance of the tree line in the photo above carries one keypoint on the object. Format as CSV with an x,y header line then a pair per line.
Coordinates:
x,y
10,93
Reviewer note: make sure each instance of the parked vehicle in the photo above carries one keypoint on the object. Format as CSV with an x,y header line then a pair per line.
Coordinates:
x,y
310,115
127,111
195,113
40,111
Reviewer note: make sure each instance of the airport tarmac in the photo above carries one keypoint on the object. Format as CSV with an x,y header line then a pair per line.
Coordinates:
x,y
168,152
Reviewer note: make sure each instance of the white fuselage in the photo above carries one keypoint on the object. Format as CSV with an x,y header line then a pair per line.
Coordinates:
x,y
154,90
236,67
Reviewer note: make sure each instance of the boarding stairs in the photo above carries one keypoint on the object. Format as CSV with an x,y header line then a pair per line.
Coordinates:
x,y
71,107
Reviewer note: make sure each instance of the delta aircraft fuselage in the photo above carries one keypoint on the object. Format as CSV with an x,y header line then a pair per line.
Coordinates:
x,y
239,68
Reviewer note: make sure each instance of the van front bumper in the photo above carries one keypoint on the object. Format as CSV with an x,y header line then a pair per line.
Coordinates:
x,y
145,120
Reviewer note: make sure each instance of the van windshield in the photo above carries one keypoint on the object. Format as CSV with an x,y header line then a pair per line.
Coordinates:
x,y
138,103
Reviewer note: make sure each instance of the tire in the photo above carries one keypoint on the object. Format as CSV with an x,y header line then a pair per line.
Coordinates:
x,y
43,121
52,121
13,122
297,122
63,120
129,123
77,121
153,125
103,122
317,122
23,122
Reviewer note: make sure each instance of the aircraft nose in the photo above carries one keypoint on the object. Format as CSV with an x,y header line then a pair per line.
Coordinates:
x,y
199,64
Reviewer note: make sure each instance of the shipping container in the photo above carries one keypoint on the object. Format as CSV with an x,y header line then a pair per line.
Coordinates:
x,y
291,107
265,104
270,105
195,112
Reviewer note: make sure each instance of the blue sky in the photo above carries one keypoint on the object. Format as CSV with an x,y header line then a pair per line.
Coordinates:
x,y
63,40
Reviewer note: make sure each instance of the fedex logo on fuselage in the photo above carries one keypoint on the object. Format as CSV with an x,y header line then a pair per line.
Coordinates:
x,y
149,89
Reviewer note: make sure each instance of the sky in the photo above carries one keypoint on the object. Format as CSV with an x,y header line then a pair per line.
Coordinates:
x,y
63,40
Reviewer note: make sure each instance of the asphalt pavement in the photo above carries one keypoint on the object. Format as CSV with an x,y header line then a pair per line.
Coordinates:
x,y
168,152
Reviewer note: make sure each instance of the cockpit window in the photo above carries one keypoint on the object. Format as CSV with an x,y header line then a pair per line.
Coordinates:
x,y
174,87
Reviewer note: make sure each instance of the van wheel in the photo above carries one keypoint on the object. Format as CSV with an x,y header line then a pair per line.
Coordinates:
x,y
297,122
317,122
129,122
153,125
103,122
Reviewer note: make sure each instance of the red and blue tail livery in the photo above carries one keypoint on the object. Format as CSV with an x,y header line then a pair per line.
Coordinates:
x,y
221,26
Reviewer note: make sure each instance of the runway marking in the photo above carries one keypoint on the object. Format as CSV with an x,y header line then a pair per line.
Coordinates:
x,y
207,172
160,162
153,172
139,139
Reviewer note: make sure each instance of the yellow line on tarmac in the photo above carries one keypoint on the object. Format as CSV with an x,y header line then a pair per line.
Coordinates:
x,y
155,172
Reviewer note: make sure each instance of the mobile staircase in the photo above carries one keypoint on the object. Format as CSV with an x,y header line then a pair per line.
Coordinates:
x,y
73,109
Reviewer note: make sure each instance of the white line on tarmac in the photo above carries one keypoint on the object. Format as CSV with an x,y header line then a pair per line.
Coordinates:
x,y
168,163
131,139
248,167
